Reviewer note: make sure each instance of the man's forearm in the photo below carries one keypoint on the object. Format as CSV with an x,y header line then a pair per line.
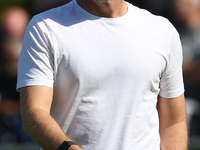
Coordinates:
x,y
44,129
174,137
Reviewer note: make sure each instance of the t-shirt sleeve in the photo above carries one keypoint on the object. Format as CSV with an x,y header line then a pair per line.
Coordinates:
x,y
171,84
36,62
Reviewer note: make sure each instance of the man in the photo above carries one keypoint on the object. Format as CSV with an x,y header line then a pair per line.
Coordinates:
x,y
92,72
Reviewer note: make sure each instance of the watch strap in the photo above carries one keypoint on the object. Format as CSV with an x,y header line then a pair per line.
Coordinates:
x,y
65,145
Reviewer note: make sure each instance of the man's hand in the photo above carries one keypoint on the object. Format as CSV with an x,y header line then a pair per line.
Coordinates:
x,y
75,147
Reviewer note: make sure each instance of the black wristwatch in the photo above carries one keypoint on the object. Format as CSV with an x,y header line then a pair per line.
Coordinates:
x,y
65,145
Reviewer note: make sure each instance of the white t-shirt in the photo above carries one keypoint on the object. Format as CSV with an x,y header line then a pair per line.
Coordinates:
x,y
106,73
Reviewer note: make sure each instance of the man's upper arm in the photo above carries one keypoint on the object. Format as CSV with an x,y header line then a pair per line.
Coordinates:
x,y
36,61
171,110
35,97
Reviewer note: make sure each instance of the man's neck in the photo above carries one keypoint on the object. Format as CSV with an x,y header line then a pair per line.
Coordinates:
x,y
108,9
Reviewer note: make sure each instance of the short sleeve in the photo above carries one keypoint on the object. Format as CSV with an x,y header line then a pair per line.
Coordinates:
x,y
36,62
171,84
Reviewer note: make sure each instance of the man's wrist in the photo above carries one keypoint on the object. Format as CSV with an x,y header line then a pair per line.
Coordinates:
x,y
66,145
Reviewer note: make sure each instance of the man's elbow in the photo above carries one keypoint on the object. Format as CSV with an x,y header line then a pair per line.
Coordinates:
x,y
26,124
28,120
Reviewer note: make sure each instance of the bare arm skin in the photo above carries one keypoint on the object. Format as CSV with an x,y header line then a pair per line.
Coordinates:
x,y
35,104
173,124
